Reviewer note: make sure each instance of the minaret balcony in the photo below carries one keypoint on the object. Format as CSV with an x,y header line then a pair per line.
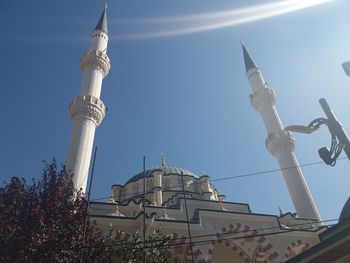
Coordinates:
x,y
88,107
263,97
96,59
278,142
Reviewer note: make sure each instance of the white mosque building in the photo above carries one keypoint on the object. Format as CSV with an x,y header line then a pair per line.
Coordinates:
x,y
204,226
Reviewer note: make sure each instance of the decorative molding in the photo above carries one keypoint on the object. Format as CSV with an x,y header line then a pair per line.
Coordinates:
x,y
279,142
97,59
263,97
183,251
295,248
88,107
266,252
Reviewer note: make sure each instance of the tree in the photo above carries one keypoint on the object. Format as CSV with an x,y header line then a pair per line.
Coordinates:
x,y
155,249
44,221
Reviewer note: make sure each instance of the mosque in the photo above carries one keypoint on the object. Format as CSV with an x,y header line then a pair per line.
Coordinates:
x,y
204,226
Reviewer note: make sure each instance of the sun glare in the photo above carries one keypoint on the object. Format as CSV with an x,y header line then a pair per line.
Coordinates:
x,y
181,25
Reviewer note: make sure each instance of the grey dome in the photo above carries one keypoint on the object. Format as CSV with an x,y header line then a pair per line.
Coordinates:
x,y
167,170
345,213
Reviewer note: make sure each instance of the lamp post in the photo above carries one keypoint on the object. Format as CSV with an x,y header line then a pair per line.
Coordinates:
x,y
339,139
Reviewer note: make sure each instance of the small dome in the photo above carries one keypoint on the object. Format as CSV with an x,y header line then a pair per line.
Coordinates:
x,y
117,214
167,170
165,216
345,213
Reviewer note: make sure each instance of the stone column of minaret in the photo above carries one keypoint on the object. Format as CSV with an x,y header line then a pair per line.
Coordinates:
x,y
87,110
280,143
205,185
158,183
157,188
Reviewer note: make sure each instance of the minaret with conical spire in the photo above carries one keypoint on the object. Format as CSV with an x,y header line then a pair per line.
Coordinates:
x,y
280,143
87,110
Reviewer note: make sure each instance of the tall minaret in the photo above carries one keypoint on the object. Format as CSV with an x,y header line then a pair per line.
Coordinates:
x,y
87,110
280,143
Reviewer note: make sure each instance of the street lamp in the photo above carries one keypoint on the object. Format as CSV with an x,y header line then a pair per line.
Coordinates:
x,y
339,138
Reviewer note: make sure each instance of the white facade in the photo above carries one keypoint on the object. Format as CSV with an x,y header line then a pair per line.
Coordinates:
x,y
87,110
220,231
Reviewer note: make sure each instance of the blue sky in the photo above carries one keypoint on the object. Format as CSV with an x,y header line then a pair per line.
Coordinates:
x,y
186,95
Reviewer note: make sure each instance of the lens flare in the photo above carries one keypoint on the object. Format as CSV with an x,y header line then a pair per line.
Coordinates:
x,y
195,23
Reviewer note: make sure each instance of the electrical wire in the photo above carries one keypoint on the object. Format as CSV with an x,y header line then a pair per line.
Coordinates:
x,y
228,236
220,239
210,241
174,187
261,229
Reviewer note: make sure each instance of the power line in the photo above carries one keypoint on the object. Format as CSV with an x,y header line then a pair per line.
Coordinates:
x,y
219,240
260,229
270,171
219,237
210,241
225,178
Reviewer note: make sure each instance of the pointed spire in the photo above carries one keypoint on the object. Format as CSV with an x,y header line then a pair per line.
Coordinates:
x,y
248,61
102,22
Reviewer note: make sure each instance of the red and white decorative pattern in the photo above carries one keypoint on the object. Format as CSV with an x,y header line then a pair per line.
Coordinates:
x,y
265,254
295,248
182,250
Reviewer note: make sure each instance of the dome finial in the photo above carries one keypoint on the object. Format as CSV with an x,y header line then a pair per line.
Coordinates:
x,y
163,163
116,211
164,212
280,210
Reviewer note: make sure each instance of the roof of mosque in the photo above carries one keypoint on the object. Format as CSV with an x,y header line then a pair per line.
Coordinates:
x,y
167,170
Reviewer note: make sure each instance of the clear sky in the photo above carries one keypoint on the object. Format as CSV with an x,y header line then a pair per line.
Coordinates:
x,y
184,95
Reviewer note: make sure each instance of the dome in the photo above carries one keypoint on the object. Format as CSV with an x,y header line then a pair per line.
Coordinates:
x,y
167,170
345,213
117,214
165,216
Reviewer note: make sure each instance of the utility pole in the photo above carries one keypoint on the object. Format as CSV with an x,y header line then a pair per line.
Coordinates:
x,y
144,209
88,204
187,219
